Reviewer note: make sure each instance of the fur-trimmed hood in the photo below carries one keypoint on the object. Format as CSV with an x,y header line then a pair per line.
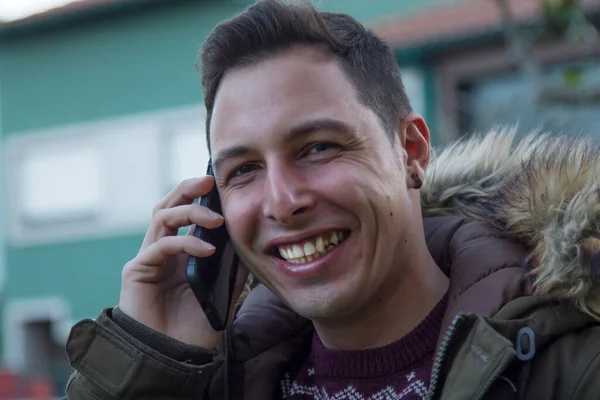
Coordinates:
x,y
542,189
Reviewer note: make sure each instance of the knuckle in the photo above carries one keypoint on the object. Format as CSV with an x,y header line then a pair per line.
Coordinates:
x,y
168,244
186,185
185,242
127,268
158,207
189,240
186,182
160,215
163,241
161,246
128,264
198,212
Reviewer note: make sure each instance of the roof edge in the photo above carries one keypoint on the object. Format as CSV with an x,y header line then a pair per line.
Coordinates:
x,y
462,33
72,13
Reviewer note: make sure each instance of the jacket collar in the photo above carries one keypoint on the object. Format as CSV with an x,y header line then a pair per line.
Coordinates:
x,y
483,264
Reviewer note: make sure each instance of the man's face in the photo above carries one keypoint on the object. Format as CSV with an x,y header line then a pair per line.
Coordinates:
x,y
314,193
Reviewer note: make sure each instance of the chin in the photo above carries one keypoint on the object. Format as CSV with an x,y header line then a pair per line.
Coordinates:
x,y
322,303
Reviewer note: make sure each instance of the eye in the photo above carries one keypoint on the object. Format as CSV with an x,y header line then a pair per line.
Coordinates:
x,y
320,148
244,170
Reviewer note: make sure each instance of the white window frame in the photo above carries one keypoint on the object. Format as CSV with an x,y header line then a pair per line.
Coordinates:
x,y
145,137
35,220
24,229
188,122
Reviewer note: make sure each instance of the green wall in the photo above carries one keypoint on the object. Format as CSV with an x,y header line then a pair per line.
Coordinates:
x,y
88,272
123,65
105,68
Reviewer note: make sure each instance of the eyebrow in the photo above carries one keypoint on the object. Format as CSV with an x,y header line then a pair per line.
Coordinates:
x,y
294,134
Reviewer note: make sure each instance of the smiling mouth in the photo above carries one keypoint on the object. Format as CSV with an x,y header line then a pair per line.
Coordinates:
x,y
310,249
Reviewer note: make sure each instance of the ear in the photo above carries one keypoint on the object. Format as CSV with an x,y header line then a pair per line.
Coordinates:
x,y
415,138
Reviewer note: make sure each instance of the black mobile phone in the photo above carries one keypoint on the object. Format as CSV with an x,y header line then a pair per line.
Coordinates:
x,y
212,279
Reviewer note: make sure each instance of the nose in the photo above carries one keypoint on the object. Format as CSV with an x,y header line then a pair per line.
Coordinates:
x,y
287,197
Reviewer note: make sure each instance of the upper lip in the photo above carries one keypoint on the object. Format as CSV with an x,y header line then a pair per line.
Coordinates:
x,y
283,240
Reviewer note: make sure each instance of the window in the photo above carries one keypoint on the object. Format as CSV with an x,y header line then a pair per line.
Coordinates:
x,y
188,155
99,178
60,184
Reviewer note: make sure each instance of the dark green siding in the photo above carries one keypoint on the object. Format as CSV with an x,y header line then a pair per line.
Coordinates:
x,y
106,68
87,273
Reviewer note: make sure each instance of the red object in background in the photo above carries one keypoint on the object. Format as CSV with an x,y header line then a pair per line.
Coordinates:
x,y
8,384
40,388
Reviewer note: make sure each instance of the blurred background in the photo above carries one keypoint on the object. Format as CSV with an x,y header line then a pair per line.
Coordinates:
x,y
101,114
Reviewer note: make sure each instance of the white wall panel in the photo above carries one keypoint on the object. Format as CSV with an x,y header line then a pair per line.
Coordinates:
x,y
101,178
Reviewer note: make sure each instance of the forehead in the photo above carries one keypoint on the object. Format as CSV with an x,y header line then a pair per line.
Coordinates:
x,y
274,95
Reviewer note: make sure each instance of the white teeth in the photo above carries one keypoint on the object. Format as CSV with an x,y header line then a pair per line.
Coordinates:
x,y
309,251
283,252
297,251
320,246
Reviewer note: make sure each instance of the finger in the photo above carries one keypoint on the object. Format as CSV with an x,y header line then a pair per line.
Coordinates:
x,y
185,193
158,253
169,220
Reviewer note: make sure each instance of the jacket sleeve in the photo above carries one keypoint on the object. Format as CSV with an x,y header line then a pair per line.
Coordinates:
x,y
115,357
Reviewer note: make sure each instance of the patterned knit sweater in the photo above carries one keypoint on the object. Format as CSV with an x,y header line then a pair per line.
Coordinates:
x,y
398,371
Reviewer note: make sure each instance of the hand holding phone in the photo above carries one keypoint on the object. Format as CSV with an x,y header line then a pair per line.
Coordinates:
x,y
155,290
212,278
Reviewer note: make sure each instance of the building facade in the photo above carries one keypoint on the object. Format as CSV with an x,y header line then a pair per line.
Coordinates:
x,y
101,114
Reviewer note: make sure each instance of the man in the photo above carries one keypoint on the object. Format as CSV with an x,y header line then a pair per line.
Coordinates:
x,y
320,164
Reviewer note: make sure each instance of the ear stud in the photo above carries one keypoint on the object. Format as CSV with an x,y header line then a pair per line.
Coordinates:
x,y
418,180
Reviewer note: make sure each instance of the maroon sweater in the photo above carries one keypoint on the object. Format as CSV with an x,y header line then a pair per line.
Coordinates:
x,y
400,370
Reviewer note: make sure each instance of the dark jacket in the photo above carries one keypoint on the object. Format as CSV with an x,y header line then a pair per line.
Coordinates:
x,y
516,231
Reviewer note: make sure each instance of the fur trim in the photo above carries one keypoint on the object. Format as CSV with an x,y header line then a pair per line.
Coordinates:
x,y
543,189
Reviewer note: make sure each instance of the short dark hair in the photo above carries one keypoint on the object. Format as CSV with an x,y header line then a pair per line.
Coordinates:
x,y
269,26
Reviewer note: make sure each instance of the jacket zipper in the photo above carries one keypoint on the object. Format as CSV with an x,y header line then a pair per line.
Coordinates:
x,y
439,358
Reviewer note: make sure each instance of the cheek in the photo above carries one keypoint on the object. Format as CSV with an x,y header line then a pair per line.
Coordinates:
x,y
354,185
241,214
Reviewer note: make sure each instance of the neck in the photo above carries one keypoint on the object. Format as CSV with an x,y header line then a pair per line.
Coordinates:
x,y
382,322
